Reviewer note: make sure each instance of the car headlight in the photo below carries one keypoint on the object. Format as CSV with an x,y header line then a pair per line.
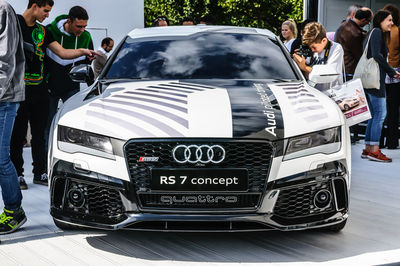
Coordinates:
x,y
76,140
325,141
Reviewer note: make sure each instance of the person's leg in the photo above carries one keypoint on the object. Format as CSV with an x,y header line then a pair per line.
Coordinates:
x,y
68,95
392,119
13,216
18,137
53,105
367,139
39,113
379,105
10,189
378,116
396,115
388,133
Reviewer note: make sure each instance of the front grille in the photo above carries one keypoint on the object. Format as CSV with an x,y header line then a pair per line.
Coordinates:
x,y
299,201
98,201
255,156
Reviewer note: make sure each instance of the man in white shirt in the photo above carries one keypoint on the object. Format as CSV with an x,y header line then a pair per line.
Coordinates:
x,y
107,44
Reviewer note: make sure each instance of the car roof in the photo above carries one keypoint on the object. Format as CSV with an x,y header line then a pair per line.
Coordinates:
x,y
189,30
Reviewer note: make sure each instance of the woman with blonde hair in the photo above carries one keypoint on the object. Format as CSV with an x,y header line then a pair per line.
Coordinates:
x,y
289,33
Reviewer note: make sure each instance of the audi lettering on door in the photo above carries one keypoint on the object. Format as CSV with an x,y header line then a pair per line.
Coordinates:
x,y
199,179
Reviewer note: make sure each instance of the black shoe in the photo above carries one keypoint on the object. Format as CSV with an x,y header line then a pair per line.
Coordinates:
x,y
11,220
41,179
22,183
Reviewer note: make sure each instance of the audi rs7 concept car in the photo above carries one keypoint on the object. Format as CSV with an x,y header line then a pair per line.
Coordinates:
x,y
199,128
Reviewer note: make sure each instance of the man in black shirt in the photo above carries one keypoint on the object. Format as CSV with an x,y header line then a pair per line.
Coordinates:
x,y
35,107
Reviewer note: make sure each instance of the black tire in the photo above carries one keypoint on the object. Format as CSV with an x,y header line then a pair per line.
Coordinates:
x,y
336,227
65,226
346,107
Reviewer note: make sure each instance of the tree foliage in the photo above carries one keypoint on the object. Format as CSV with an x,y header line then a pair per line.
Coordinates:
x,y
249,13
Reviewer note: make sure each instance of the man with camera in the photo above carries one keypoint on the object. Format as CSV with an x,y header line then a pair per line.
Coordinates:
x,y
325,52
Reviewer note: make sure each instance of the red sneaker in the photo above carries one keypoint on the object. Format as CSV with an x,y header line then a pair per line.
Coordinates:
x,y
379,157
364,154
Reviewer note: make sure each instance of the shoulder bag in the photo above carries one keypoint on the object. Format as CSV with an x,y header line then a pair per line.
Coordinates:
x,y
368,70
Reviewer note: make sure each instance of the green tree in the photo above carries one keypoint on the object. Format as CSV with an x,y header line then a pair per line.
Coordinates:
x,y
248,13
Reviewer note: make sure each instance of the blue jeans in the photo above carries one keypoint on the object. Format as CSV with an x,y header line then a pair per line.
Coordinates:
x,y
9,183
377,106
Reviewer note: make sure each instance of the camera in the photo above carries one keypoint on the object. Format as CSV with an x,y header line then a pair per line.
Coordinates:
x,y
305,51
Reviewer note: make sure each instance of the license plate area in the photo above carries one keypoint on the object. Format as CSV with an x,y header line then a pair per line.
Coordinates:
x,y
199,180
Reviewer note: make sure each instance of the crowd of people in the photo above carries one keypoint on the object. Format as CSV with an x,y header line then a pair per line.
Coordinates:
x,y
344,47
34,77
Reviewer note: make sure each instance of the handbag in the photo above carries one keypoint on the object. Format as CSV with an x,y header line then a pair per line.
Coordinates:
x,y
368,70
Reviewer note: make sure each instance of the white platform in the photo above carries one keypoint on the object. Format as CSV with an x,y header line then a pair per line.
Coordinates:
x,y
371,237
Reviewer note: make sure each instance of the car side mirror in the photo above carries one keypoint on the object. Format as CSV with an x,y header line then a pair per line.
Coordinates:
x,y
82,74
323,74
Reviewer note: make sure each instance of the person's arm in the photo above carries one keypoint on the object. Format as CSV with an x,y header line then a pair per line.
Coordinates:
x,y
335,59
295,45
301,62
56,48
375,43
8,45
90,47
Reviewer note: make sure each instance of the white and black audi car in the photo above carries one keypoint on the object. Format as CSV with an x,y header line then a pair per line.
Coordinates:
x,y
199,128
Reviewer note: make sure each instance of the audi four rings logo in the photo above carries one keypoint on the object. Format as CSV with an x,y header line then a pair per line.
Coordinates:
x,y
198,154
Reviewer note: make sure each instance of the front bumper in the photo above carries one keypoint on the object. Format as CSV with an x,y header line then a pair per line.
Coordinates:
x,y
287,204
203,223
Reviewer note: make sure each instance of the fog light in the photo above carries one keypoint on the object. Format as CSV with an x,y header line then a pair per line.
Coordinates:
x,y
322,199
76,198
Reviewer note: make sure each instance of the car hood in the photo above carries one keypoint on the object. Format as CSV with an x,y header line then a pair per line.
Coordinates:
x,y
268,110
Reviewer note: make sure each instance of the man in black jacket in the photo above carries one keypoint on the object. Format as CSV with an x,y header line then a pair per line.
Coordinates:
x,y
351,36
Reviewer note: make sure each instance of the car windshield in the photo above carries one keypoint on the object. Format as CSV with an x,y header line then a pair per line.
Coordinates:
x,y
202,56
